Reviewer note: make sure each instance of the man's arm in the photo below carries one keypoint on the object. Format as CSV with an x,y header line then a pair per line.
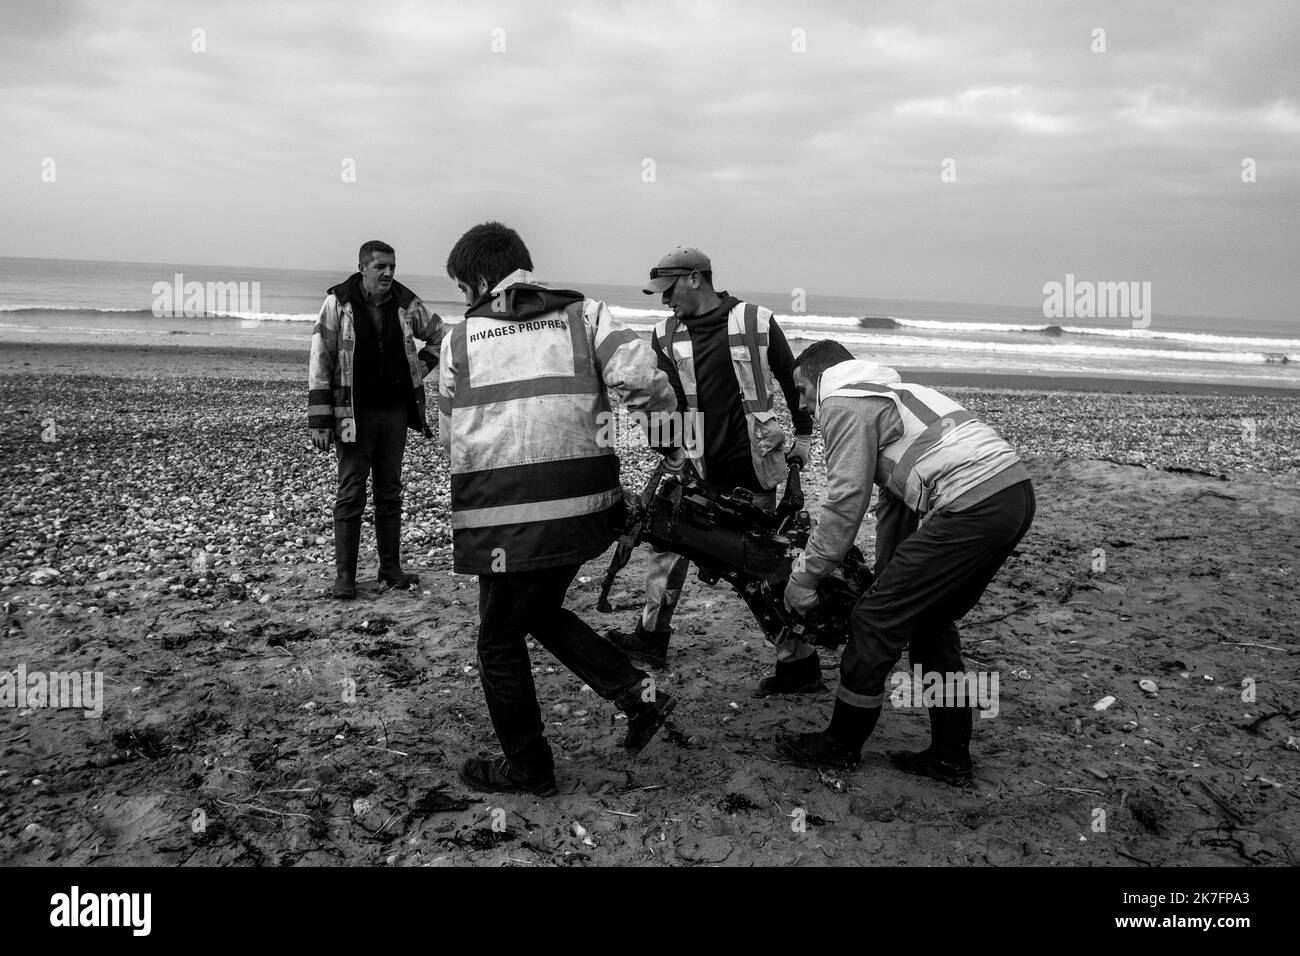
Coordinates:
x,y
446,392
781,361
850,429
669,368
428,327
627,365
320,373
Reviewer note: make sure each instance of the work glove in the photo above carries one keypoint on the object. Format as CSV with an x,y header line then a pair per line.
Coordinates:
x,y
802,451
799,598
675,461
321,438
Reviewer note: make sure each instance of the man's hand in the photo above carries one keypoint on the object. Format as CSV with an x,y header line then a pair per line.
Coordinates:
x,y
321,438
802,451
800,598
675,461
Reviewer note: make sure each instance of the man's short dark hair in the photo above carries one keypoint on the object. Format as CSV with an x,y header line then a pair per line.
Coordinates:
x,y
820,356
707,276
490,251
374,245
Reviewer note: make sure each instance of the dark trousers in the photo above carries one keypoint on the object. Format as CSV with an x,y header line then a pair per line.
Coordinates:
x,y
934,577
380,445
512,606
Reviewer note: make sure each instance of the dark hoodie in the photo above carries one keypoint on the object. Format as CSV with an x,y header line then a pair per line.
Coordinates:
x,y
381,376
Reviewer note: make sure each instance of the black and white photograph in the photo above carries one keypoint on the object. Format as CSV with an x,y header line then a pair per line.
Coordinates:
x,y
661,435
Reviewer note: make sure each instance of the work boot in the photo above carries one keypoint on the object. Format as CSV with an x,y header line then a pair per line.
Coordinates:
x,y
803,676
499,775
388,541
839,745
947,759
644,718
347,541
643,648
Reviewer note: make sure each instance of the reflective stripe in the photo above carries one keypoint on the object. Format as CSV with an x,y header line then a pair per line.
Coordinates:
x,y
929,438
913,404
747,339
536,511
611,344
757,366
315,410
859,700
944,451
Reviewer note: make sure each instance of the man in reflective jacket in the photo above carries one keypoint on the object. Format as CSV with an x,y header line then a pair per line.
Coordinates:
x,y
366,388
534,490
955,501
726,359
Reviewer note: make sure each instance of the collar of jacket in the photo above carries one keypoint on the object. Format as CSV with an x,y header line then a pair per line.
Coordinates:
x,y
350,290
525,297
717,316
854,372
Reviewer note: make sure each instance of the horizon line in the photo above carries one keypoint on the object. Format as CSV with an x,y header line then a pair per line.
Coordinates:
x,y
221,265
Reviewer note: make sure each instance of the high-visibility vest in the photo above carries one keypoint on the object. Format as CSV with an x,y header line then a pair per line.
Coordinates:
x,y
747,335
330,402
944,450
533,484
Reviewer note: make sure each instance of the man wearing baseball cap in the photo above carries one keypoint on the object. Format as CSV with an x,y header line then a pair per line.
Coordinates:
x,y
722,356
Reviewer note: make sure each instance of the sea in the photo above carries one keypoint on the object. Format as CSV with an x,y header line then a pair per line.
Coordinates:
x,y
98,300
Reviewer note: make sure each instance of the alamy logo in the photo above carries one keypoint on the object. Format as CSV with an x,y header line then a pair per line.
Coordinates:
x,y
194,299
82,690
660,429
946,689
1100,300
102,909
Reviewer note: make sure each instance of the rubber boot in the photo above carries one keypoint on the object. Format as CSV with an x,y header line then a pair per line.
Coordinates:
x,y
347,541
643,648
947,759
388,541
839,745
803,676
644,717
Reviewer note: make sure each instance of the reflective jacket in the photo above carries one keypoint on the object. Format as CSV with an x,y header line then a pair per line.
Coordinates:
x,y
522,411
333,349
747,332
944,450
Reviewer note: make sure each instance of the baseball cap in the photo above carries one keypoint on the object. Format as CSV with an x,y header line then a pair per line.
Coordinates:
x,y
682,261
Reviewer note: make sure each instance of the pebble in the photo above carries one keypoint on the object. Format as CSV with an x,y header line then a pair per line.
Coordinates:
x,y
1104,703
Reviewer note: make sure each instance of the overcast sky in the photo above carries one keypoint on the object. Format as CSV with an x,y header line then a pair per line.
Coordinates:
x,y
819,169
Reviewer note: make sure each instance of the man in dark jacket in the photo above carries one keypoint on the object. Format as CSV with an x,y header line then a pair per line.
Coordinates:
x,y
366,387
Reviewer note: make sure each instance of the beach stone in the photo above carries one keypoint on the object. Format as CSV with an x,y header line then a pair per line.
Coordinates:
x,y
44,576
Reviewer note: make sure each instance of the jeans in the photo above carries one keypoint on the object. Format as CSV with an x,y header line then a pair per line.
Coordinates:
x,y
933,578
512,606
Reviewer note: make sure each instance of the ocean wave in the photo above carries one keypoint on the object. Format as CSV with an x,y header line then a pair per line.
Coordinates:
x,y
1058,347
32,309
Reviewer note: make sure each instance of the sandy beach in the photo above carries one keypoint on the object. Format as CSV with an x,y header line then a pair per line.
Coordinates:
x,y
167,523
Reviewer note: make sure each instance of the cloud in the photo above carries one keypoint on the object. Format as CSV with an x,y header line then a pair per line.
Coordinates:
x,y
817,167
